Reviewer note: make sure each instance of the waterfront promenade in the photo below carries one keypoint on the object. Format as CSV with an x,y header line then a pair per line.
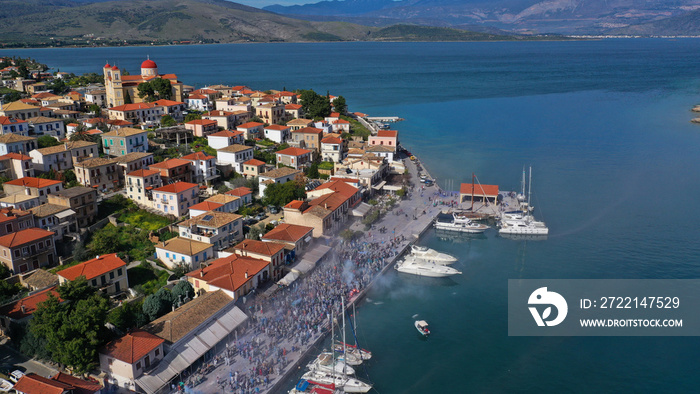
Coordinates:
x,y
285,329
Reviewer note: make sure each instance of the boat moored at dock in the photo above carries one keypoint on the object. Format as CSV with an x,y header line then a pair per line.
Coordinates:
x,y
414,266
460,224
432,255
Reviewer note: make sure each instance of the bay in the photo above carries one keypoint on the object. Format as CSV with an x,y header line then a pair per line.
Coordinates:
x,y
605,125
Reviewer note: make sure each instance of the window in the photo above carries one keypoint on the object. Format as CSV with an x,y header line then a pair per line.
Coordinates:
x,y
168,254
138,365
111,275
94,282
16,252
119,272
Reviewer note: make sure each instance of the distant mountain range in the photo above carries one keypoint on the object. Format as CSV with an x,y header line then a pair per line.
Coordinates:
x,y
556,16
129,22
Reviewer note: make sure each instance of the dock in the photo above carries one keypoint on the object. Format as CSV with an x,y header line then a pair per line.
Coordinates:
x,y
384,119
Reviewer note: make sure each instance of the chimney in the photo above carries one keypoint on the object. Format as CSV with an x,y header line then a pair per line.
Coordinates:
x,y
246,274
23,309
65,144
201,273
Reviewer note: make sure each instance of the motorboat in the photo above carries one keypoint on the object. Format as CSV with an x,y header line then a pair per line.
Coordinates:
x,y
341,381
326,362
414,266
461,224
311,387
425,253
5,385
422,327
525,226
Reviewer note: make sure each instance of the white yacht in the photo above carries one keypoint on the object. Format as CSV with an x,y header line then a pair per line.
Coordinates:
x,y
461,224
525,226
326,362
427,254
411,265
348,385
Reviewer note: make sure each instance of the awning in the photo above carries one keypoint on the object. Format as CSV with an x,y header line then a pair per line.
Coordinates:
x,y
304,267
186,352
288,279
66,213
308,239
361,210
379,185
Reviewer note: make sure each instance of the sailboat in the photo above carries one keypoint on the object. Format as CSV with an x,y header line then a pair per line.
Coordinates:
x,y
327,361
526,225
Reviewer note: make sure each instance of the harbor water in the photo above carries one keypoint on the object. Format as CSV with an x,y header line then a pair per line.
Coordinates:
x,y
605,126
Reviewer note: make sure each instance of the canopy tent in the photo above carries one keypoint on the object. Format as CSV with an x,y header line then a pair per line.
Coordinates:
x,y
288,279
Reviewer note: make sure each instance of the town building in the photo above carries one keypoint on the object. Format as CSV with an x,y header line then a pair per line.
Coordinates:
x,y
16,165
296,239
131,162
278,175
277,133
202,127
33,187
293,111
21,311
229,203
41,125
245,194
56,218
19,202
478,192
253,168
204,207
220,229
296,158
307,138
14,126
14,143
61,157
106,273
225,119
383,151
272,252
118,87
97,97
184,251
61,383
327,210
27,250
127,358
174,170
225,138
82,200
389,138
22,111
234,155
233,275
175,198
125,140
332,149
296,124
147,114
175,109
97,172
272,113
14,219
140,185
341,126
199,102
203,167
251,129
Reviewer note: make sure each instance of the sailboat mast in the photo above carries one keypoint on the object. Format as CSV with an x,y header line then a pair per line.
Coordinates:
x,y
472,192
529,191
345,352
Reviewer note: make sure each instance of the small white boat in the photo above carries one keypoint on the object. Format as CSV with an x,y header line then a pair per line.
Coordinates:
x,y
5,385
461,224
363,354
327,363
525,226
425,253
348,385
422,327
349,357
411,265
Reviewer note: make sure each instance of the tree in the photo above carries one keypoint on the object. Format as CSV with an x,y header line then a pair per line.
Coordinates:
x,y
313,171
12,96
158,304
315,105
95,109
76,290
7,290
57,86
155,89
127,316
167,121
280,195
46,141
181,291
256,231
340,105
127,98
192,116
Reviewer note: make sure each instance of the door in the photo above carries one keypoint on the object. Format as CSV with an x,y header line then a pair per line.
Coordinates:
x,y
117,287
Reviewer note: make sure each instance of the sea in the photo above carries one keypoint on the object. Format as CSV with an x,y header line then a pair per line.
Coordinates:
x,y
605,126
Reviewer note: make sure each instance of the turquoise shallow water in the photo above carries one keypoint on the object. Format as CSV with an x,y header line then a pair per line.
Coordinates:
x,y
605,125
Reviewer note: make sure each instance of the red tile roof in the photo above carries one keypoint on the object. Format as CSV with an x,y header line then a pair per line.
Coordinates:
x,y
24,236
288,232
177,187
5,120
203,122
254,162
308,130
226,133
332,140
341,121
167,103
93,268
479,190
249,125
276,127
143,172
239,191
30,303
15,156
196,97
133,107
218,113
81,386
205,91
29,181
259,247
339,186
291,151
170,163
334,115
295,204
197,156
387,133
32,383
133,346
206,206
229,273
292,106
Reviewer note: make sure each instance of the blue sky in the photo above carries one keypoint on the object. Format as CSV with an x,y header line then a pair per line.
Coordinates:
x,y
263,3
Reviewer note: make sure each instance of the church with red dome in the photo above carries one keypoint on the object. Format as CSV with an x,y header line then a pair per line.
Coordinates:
x,y
122,89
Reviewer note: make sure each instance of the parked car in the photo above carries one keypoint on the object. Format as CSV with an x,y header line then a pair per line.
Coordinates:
x,y
260,216
273,209
16,375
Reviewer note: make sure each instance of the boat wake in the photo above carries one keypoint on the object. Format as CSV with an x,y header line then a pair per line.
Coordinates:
x,y
414,316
